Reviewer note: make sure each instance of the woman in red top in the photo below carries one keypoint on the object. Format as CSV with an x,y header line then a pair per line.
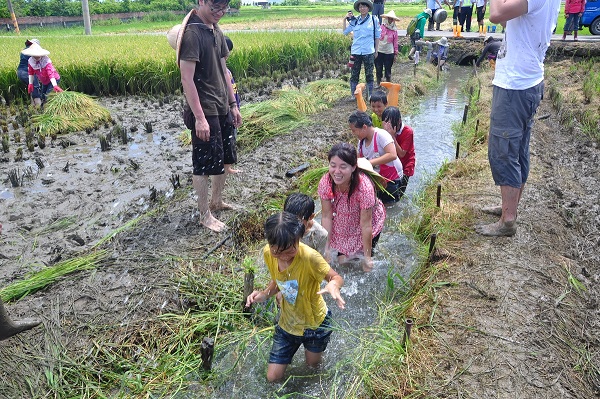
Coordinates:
x,y
391,120
41,66
573,11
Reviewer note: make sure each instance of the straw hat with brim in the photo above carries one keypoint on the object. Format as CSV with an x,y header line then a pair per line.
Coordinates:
x,y
443,41
29,42
172,36
368,3
391,15
35,50
365,165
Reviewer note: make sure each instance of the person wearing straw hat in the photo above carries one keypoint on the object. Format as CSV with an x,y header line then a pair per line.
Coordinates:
x,y
365,43
39,65
201,54
517,93
351,212
388,47
440,52
419,32
23,74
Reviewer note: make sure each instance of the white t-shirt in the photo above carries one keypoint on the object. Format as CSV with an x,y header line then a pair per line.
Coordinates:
x,y
520,60
381,138
480,3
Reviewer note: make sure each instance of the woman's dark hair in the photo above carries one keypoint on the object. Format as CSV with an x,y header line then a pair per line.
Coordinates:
x,y
348,154
360,119
378,96
283,230
393,116
300,205
229,43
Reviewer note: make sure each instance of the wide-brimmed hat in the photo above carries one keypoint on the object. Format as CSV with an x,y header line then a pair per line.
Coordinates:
x,y
391,15
428,11
29,42
172,36
365,165
443,41
368,3
35,50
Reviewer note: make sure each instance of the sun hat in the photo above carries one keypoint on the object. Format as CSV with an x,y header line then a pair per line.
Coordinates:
x,y
29,42
391,15
365,165
368,3
172,36
428,11
35,50
443,41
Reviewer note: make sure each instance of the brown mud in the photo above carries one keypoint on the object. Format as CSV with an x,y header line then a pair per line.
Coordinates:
x,y
513,326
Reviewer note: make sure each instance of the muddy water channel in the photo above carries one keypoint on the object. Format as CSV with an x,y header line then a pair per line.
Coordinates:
x,y
394,257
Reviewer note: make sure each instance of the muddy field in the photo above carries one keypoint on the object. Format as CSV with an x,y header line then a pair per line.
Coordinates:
x,y
514,325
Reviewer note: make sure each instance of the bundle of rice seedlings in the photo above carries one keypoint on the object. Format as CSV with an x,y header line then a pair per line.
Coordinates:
x,y
70,111
328,90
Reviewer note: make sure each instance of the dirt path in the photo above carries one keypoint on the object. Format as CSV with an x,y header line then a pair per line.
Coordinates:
x,y
522,320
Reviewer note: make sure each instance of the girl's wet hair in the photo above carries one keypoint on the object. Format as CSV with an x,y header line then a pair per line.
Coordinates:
x,y
392,115
347,153
360,119
300,205
283,230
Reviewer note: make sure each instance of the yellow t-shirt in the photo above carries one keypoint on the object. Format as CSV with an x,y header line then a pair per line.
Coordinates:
x,y
301,307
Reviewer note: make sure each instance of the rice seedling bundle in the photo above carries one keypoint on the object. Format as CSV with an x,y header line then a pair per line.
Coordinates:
x,y
70,111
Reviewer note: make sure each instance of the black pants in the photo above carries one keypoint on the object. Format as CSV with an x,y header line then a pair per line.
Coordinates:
x,y
466,13
384,61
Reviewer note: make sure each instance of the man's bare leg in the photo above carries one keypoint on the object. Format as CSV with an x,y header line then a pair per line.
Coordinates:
x,y
216,200
506,226
206,218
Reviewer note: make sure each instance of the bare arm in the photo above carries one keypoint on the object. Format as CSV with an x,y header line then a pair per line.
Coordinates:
x,y
235,112
366,228
327,222
505,10
187,69
261,296
389,156
334,283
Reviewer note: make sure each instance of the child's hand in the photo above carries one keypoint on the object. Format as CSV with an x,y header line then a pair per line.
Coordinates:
x,y
333,290
57,89
30,88
256,296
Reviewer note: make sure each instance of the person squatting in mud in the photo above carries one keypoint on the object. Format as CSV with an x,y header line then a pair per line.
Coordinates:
x,y
297,272
210,97
518,89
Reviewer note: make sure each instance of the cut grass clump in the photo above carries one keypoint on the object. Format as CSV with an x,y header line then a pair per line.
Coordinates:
x,y
70,111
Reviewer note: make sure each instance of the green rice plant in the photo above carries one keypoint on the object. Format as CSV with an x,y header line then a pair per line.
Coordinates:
x,y
70,111
41,279
58,225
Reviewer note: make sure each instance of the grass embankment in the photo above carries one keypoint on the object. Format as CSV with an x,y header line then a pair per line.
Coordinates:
x,y
394,372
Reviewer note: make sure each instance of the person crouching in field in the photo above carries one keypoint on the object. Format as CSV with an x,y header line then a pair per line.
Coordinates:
x,y
40,66
297,271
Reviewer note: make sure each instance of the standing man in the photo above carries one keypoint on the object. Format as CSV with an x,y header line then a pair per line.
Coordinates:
x,y
433,5
466,14
201,55
481,4
365,42
378,8
518,88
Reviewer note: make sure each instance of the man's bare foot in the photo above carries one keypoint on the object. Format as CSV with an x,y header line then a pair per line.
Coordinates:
x,y
498,229
229,170
210,222
492,210
223,206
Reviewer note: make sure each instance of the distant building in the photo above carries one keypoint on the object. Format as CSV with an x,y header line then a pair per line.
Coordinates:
x,y
264,4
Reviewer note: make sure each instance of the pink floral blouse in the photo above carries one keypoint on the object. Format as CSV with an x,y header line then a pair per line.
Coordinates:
x,y
345,233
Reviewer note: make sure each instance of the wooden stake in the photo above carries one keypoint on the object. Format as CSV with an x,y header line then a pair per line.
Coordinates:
x,y
207,350
439,195
248,288
457,149
465,114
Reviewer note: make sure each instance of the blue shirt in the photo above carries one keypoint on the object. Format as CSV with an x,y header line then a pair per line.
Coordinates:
x,y
432,5
365,32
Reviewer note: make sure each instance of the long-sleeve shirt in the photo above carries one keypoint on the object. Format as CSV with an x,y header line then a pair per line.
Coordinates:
x,y
574,6
43,68
490,49
366,30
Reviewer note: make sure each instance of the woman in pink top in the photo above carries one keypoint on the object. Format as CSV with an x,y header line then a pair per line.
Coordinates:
x,y
573,11
351,212
41,66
